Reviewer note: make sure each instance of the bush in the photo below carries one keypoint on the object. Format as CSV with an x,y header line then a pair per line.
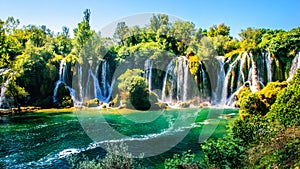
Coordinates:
x,y
249,130
260,102
92,103
282,151
117,157
185,160
227,152
286,109
67,101
139,96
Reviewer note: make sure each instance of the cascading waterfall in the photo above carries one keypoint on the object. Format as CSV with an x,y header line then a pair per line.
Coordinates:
x,y
62,81
218,91
254,81
148,73
3,101
268,61
167,97
226,82
236,78
176,81
96,84
295,66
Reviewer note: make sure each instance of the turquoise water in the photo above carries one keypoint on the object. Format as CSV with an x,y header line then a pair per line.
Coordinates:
x,y
45,140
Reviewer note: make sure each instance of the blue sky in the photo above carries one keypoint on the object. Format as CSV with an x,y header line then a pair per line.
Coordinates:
x,y
238,14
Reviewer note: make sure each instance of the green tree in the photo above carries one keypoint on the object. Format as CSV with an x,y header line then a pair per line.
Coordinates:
x,y
63,43
251,38
121,32
182,31
158,21
221,29
83,32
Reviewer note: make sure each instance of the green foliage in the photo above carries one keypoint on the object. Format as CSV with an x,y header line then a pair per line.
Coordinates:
x,y
194,64
117,156
133,90
221,29
269,93
126,78
281,151
139,96
67,101
92,103
286,109
182,32
227,152
121,32
83,32
252,105
260,102
251,38
184,160
249,130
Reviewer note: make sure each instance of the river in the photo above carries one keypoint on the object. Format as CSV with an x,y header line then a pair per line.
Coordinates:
x,y
45,140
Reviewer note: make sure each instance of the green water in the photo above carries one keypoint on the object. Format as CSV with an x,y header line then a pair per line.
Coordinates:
x,y
45,140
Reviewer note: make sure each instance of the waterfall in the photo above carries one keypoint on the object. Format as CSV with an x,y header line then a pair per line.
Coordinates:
x,y
226,82
3,101
96,82
217,92
254,82
232,85
204,80
295,66
105,88
97,89
62,74
164,88
148,73
268,61
176,86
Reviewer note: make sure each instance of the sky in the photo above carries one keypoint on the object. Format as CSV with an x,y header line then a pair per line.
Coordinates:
x,y
238,14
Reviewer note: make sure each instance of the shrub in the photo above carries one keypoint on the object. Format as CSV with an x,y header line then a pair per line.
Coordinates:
x,y
260,102
117,157
139,96
249,130
286,109
281,151
185,160
92,103
227,152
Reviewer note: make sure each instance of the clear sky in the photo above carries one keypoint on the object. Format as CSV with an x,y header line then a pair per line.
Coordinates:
x,y
238,14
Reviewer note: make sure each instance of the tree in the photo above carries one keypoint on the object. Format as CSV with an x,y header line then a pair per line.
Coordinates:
x,y
158,21
221,29
13,92
83,32
121,32
251,38
62,43
182,31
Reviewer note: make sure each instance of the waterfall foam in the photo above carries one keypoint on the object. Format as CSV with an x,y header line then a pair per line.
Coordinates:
x,y
62,80
295,66
94,83
3,89
148,73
